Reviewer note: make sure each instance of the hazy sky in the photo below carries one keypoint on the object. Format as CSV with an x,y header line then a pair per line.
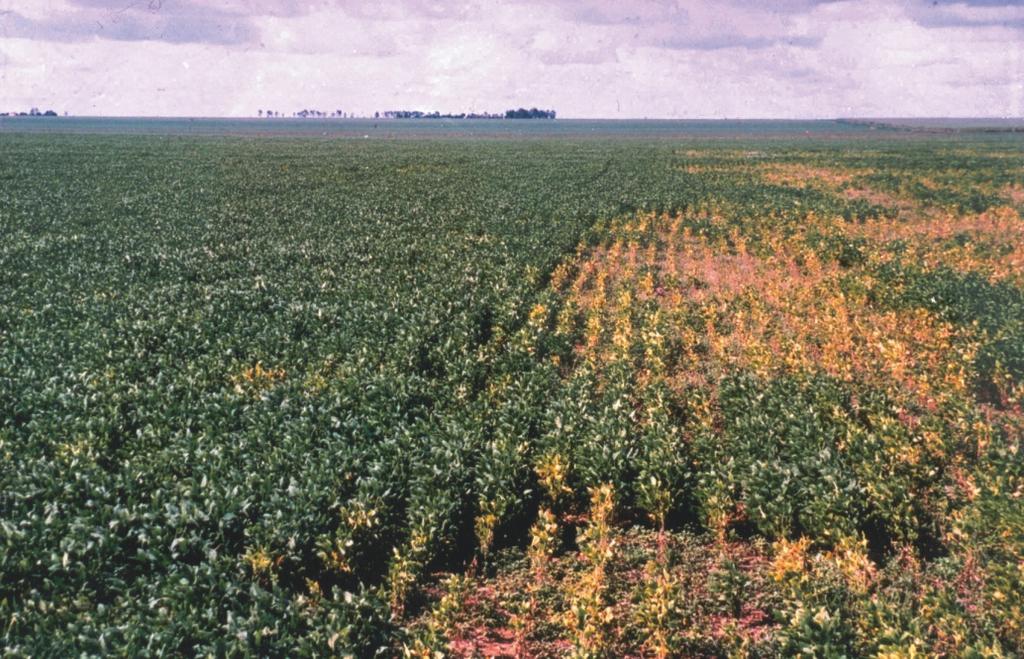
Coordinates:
x,y
590,58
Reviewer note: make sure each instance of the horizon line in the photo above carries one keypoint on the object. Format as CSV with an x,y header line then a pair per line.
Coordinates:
x,y
62,115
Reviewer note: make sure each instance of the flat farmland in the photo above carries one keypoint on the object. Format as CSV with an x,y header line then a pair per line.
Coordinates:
x,y
577,394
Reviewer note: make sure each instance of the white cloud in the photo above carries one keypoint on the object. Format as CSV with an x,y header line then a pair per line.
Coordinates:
x,y
656,59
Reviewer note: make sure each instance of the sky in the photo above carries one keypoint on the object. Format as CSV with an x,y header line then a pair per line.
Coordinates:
x,y
583,58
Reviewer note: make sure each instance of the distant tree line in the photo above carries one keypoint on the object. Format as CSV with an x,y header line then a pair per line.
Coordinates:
x,y
304,114
532,113
521,113
417,114
34,112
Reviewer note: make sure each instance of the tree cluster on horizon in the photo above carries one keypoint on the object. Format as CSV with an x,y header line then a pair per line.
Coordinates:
x,y
305,114
34,112
532,113
520,113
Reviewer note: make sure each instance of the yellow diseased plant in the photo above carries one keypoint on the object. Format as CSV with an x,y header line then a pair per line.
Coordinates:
x,y
590,616
257,379
405,570
552,471
658,614
260,562
565,321
790,559
543,544
432,640
485,524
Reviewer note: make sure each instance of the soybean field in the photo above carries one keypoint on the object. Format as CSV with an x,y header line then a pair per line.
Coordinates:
x,y
573,395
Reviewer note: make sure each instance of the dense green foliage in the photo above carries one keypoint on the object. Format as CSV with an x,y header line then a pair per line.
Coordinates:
x,y
252,392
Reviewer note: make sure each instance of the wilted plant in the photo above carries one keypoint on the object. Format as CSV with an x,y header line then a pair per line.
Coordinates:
x,y
431,641
590,616
657,614
553,471
404,571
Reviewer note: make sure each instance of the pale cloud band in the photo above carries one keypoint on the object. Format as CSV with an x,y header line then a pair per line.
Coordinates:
x,y
660,58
